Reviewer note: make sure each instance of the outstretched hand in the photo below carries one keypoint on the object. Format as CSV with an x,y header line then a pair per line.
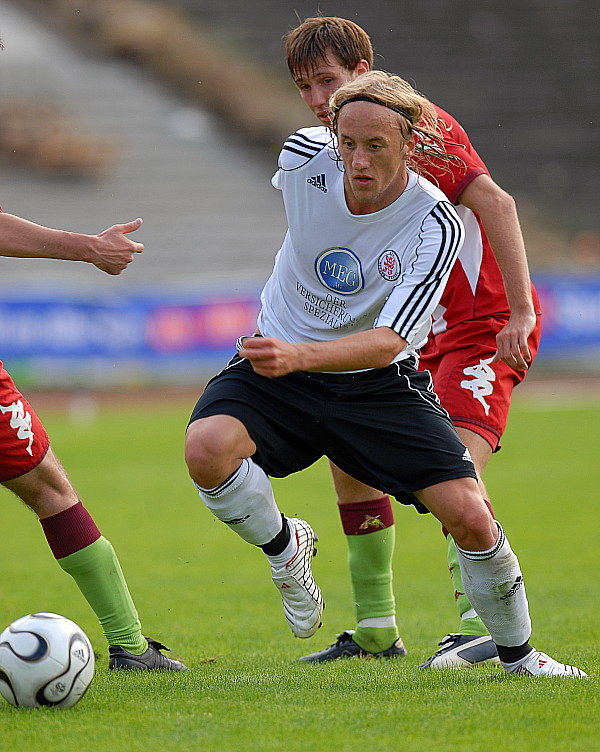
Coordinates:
x,y
113,251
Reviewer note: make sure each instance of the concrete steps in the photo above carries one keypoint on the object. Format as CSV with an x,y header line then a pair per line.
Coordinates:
x,y
210,213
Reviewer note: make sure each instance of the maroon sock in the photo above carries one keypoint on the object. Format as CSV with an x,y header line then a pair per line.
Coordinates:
x,y
366,516
70,530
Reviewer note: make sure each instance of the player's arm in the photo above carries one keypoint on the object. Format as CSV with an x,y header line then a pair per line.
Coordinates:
x,y
374,348
498,214
111,250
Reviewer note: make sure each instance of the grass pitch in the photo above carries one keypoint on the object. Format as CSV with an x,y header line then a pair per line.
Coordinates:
x,y
207,595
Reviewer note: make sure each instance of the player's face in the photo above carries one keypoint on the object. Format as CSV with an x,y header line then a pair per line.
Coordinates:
x,y
374,153
316,86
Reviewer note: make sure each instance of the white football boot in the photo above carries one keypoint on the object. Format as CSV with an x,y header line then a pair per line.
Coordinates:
x,y
463,651
540,664
302,600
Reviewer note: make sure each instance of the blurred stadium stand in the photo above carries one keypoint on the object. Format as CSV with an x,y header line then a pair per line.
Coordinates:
x,y
210,214
522,75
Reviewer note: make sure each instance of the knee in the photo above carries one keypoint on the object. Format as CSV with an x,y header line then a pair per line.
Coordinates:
x,y
474,529
213,451
202,454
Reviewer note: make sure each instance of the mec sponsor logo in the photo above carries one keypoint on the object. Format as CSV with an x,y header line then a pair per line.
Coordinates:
x,y
340,270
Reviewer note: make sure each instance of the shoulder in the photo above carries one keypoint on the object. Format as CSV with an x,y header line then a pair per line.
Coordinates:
x,y
453,128
432,203
428,191
303,146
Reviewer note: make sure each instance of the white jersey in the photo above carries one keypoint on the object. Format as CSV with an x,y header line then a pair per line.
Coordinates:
x,y
338,273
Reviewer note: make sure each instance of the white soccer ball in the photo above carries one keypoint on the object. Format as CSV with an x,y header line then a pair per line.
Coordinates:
x,y
45,660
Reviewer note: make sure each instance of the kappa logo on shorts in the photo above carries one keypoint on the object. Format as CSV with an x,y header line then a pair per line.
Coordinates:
x,y
20,420
481,383
340,270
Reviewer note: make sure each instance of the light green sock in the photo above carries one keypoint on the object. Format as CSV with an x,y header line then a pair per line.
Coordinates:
x,y
471,625
370,562
98,575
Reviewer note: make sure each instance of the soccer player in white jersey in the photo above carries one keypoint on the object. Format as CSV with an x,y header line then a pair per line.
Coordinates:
x,y
332,370
485,334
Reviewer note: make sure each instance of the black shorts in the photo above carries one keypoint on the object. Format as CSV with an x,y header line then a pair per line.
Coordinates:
x,y
384,427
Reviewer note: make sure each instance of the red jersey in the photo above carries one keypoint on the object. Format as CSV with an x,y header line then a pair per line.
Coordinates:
x,y
475,289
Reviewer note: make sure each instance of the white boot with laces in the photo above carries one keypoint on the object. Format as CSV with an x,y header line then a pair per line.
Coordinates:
x,y
302,600
537,663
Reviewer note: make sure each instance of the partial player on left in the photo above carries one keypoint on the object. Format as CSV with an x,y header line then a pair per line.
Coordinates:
x,y
30,469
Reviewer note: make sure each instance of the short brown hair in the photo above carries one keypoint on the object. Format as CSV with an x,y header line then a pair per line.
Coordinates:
x,y
315,38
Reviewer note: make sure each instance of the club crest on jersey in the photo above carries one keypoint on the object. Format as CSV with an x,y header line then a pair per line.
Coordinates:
x,y
389,265
340,270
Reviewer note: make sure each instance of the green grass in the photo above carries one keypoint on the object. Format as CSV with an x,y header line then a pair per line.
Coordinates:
x,y
209,597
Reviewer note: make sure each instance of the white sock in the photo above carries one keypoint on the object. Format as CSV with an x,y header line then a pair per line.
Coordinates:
x,y
494,584
280,560
378,622
246,503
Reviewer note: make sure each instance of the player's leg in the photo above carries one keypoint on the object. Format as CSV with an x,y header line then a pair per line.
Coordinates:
x,y
476,394
470,623
492,576
368,522
219,455
471,645
422,455
232,486
86,555
29,469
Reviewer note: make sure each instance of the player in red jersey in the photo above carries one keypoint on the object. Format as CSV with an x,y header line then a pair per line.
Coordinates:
x,y
30,469
484,337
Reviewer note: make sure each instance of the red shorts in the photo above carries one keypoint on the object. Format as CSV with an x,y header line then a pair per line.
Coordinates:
x,y
475,392
23,439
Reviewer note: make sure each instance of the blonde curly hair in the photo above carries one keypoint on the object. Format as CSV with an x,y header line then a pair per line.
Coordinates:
x,y
417,113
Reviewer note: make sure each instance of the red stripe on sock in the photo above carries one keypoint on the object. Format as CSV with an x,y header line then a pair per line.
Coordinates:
x,y
488,505
367,516
70,530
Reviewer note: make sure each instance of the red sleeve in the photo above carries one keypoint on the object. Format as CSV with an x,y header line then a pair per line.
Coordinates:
x,y
454,176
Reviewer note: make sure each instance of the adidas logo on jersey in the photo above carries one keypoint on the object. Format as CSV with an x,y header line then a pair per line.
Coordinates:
x,y
318,181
